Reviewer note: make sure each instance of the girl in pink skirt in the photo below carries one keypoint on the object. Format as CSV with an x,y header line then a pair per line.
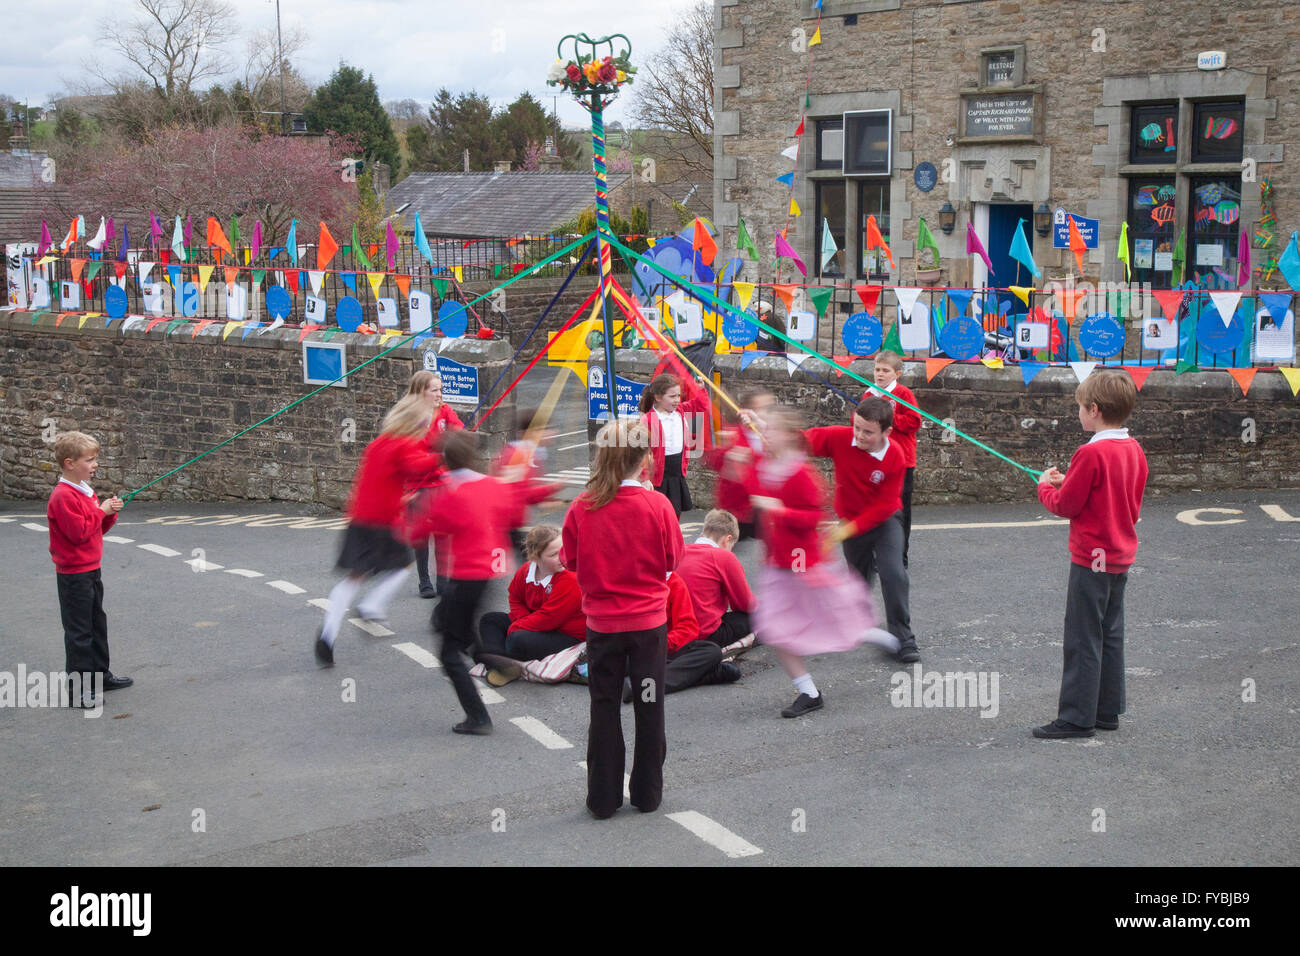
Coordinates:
x,y
807,604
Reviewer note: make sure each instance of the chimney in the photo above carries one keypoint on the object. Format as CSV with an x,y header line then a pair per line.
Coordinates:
x,y
503,166
465,157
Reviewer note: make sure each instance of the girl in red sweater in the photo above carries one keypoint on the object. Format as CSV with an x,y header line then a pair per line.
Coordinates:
x,y
622,540
371,544
428,386
738,450
806,604
664,409
545,608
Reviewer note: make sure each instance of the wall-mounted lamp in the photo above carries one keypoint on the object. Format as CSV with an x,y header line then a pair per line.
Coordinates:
x,y
1042,219
947,218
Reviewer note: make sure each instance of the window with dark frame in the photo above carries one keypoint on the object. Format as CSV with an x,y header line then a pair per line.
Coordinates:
x,y
868,138
830,144
1217,131
1153,134
873,200
1215,213
1150,227
830,210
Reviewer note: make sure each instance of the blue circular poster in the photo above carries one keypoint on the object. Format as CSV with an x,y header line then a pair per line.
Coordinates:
x,y
115,302
348,312
278,303
1212,334
738,332
962,338
1101,335
925,176
862,333
452,319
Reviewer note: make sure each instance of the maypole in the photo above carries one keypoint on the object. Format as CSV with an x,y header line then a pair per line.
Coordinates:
x,y
594,79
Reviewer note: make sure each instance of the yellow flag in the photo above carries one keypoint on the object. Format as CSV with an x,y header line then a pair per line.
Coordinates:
x,y
992,362
650,243
744,292
456,271
794,208
388,334
1292,376
230,327
205,273
1022,292
82,321
816,38
376,279
46,259
248,256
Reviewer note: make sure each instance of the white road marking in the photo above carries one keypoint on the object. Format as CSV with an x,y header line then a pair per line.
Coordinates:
x,y
489,695
627,781
373,628
31,526
158,549
6,520
989,524
581,444
714,834
541,733
198,564
244,572
418,654
580,431
115,539
286,587
322,603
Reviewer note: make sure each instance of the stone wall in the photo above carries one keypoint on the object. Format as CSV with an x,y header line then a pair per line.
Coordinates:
x,y
1191,426
155,400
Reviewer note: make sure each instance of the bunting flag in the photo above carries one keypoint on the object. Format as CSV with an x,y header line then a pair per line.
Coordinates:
x,y
112,231
441,286
376,279
178,239
973,245
876,241
119,270
1184,366
992,360
799,129
230,327
1122,254
960,299
1244,377
791,153
422,241
1083,369
1277,304
47,241
97,241
933,366
76,265
142,272
1077,245
1022,293
1068,300
390,245
744,292
325,247
456,271
257,238
1179,257
94,268
1170,301
892,342
1225,303
829,248
1292,376
795,362
794,208
1028,370
703,243
232,275
1289,262
291,277
925,240
816,37
258,276
1243,260
907,297
1139,374
747,359
217,239
359,252
870,295
404,284
786,251
291,242
1021,252
350,280
205,273
126,244
174,276
786,179
81,322
821,297
317,278
743,241
786,294
200,325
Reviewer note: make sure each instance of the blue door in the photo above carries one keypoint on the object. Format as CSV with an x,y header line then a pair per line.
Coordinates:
x,y
1003,218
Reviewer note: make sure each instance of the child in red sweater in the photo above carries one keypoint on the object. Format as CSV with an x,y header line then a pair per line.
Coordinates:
x,y
77,522
391,463
868,499
522,461
739,449
720,594
1101,494
907,423
622,540
809,605
545,609
428,386
668,406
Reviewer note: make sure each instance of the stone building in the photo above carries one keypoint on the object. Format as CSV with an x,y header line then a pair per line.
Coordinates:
x,y
1163,115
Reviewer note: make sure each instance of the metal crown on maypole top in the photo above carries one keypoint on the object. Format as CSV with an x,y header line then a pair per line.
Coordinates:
x,y
593,74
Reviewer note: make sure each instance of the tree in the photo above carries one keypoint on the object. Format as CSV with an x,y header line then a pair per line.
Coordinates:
x,y
349,104
674,90
174,43
256,95
404,111
520,123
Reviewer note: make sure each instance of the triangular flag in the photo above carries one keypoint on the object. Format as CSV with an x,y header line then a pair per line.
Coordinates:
x,y
142,270
703,243
1021,252
325,248
376,279
747,358
359,252
821,297
101,236
178,239
1068,299
1083,369
1292,376
200,326
174,276
124,245
77,265
47,240
1184,366
317,278
291,277
870,295
1029,369
791,152
1244,377
1289,262
441,286
1277,304
785,293
787,179
1225,303
291,242
119,269
1139,374
82,321
232,274
794,208
743,241
205,273
152,322
391,246
907,297
785,250
1170,301
844,361
960,299
217,239
799,129
71,238
307,329
973,245
933,366
1022,292
1077,245
992,360
258,276
816,37
1122,254
350,280
257,238
795,362
1180,257
829,248
744,292
892,341
404,284
925,240
874,240
94,268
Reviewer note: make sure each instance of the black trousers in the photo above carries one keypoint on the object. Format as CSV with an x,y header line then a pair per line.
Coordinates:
x,y
881,550
1092,678
909,481
85,626
422,565
639,655
453,618
734,626
691,664
521,645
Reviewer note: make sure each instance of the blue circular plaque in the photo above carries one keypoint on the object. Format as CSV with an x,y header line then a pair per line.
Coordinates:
x,y
962,338
862,334
278,303
925,176
452,319
738,332
1102,336
1212,334
348,312
115,301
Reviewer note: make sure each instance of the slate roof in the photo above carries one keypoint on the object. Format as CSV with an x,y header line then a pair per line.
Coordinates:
x,y
494,204
20,171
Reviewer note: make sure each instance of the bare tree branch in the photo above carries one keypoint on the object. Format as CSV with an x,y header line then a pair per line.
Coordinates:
x,y
674,90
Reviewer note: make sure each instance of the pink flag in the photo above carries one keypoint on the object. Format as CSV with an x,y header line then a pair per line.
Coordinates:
x,y
111,231
155,229
46,240
785,250
257,238
974,245
189,231
1243,260
390,246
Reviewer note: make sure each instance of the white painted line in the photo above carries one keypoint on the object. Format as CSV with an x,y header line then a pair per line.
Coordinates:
x,y
627,781
418,654
31,526
580,431
158,549
489,695
373,628
575,472
714,834
541,733
115,539
286,587
989,524
582,444
198,564
244,572
6,520
322,603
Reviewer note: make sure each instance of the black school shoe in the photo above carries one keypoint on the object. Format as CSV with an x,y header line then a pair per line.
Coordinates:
x,y
324,653
112,682
428,591
725,673
907,652
1107,723
479,728
1062,730
803,704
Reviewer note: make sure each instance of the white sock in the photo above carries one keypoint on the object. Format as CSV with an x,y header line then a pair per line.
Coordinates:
x,y
375,603
340,600
804,685
882,638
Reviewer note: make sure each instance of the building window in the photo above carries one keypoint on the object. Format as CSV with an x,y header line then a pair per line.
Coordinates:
x,y
1216,131
873,200
868,137
830,210
1154,134
830,144
1151,228
1213,231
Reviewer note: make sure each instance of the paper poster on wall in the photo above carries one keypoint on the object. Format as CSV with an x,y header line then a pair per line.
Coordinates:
x,y
1273,342
688,320
236,302
1209,254
1160,334
420,308
1164,262
70,295
802,326
388,317
40,293
914,327
314,310
1143,253
155,298
1032,335
18,272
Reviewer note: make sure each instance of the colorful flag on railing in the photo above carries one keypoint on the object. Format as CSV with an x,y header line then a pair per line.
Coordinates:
x,y
1021,252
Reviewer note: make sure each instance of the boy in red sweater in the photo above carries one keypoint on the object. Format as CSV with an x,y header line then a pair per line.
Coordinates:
x,y
1101,494
868,499
720,594
907,423
77,523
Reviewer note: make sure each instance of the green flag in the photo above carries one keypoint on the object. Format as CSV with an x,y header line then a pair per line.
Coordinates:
x,y
441,286
1122,255
92,268
258,276
892,342
744,243
234,230
821,297
1180,256
361,254
925,240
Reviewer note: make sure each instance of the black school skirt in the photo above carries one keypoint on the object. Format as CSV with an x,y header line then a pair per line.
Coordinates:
x,y
369,549
674,486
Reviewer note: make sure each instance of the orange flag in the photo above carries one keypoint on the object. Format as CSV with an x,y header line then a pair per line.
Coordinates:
x,y
876,241
77,265
786,294
232,273
217,238
1077,245
934,366
404,283
1244,377
326,248
703,243
1069,299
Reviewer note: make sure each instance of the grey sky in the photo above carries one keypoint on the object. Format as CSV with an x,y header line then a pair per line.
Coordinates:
x,y
413,47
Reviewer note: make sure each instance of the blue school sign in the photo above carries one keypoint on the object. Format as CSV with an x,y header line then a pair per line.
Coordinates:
x,y
459,382
628,395
1061,229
